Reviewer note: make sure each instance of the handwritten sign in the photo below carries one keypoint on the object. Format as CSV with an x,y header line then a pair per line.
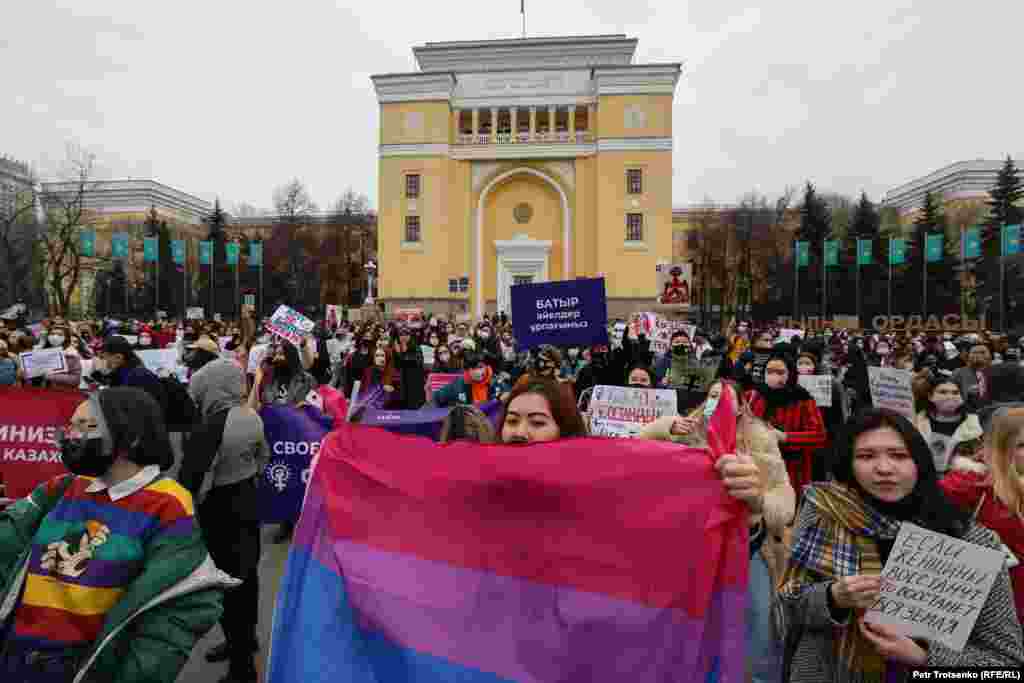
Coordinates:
x,y
289,324
819,387
194,313
623,411
256,355
161,362
890,388
43,362
428,355
660,330
934,586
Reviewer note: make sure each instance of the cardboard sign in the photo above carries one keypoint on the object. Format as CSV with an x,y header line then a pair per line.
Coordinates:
x,y
194,313
934,586
675,283
566,313
413,317
890,388
256,354
623,411
160,315
43,362
819,387
333,316
290,325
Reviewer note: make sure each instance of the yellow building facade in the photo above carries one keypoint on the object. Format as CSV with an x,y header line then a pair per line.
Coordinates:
x,y
532,160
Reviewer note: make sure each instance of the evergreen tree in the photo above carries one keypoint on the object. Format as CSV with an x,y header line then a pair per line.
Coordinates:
x,y
815,228
1003,200
866,219
224,278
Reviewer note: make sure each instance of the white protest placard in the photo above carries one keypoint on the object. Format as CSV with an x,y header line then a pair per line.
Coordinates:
x,y
890,388
256,355
623,411
216,317
786,335
194,313
819,387
428,355
132,339
289,324
663,331
43,362
934,586
161,362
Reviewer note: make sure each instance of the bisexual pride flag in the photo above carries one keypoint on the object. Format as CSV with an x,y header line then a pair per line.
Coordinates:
x,y
590,560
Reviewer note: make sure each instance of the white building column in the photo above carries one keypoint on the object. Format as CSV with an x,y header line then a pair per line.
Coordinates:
x,y
533,123
494,125
551,121
512,111
572,122
476,123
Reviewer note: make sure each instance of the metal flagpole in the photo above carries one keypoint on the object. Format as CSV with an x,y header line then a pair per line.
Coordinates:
x,y
238,300
824,284
890,278
796,283
1002,278
856,262
924,277
213,259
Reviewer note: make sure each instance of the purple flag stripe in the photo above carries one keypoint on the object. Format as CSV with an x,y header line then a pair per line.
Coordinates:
x,y
99,573
522,630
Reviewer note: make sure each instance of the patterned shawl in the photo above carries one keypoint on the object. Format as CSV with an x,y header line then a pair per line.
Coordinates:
x,y
841,543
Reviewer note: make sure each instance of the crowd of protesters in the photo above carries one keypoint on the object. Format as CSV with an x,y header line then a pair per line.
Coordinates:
x,y
827,487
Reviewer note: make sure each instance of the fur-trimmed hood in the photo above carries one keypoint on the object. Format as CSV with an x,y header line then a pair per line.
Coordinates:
x,y
962,464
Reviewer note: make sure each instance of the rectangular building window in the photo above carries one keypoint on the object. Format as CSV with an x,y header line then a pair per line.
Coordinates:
x,y
453,286
634,181
463,285
412,228
634,227
412,185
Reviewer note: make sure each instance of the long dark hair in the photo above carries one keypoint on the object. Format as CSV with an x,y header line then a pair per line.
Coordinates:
x,y
932,510
559,397
137,426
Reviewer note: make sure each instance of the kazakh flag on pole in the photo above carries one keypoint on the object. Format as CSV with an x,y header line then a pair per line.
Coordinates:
x,y
149,249
863,252
178,251
119,245
255,253
87,242
1011,240
205,252
803,255
231,249
897,251
933,248
971,248
832,252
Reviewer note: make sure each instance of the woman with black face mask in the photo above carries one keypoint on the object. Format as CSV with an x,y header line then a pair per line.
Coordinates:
x,y
355,365
281,379
115,526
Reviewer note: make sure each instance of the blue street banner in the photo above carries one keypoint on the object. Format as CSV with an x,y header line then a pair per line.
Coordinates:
x,y
832,252
249,299
87,242
255,253
803,254
864,255
897,251
119,245
205,252
933,248
565,313
971,247
150,246
1011,240
294,436
178,251
231,249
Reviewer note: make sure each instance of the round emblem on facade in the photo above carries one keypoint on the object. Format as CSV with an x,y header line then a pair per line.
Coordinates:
x,y
522,213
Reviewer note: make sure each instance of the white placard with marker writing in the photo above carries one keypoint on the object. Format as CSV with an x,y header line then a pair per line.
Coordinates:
x,y
934,586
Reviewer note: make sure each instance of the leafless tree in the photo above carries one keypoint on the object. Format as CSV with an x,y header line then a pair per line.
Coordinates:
x,y
17,232
294,207
67,214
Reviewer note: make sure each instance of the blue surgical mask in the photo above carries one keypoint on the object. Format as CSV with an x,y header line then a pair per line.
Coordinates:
x,y
709,407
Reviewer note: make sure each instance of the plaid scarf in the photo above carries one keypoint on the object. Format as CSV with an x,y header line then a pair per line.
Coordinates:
x,y
841,543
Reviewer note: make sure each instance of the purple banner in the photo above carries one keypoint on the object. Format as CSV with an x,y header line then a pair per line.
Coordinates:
x,y
294,436
424,422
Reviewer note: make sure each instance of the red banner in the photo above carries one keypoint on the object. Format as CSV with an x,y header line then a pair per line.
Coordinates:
x,y
28,455
439,380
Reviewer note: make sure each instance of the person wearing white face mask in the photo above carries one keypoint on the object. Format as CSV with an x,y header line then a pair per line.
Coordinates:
x,y
60,338
945,421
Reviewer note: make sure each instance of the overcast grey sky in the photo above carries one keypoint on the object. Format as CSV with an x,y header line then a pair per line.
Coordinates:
x,y
229,98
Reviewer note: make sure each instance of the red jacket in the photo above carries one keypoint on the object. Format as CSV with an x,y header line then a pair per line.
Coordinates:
x,y
964,485
805,434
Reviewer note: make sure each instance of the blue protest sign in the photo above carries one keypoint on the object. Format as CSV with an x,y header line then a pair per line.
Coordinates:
x,y
294,436
566,313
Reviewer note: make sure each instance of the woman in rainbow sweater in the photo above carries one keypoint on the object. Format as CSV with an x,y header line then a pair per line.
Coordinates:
x,y
104,575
